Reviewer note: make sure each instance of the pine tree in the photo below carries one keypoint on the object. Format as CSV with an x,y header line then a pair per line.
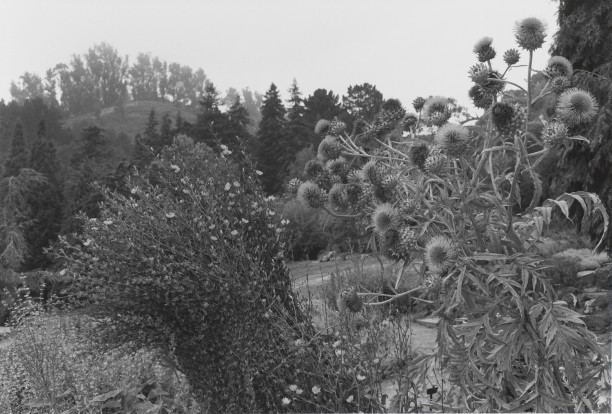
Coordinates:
x,y
211,121
236,132
151,136
165,130
45,201
270,138
363,101
18,156
299,133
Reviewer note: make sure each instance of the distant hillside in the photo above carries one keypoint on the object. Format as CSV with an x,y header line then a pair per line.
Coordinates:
x,y
134,117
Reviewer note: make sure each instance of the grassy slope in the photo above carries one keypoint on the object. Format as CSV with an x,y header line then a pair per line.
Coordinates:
x,y
134,118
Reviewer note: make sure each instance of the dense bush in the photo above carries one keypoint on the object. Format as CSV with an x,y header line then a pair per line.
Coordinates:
x,y
504,338
191,264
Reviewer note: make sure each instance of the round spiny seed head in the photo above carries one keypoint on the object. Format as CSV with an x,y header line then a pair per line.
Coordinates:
x,y
329,149
409,206
436,163
492,87
353,192
511,57
436,110
322,127
410,120
349,300
530,33
293,185
389,182
479,73
311,195
502,113
559,66
337,166
554,133
313,169
371,173
484,50
384,218
453,139
359,126
337,127
407,239
559,84
440,253
480,98
337,197
418,103
418,155
576,106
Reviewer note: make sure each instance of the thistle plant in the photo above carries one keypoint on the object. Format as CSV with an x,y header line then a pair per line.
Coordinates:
x,y
452,201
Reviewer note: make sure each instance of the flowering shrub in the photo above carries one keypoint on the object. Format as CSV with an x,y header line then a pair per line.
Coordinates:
x,y
451,201
190,263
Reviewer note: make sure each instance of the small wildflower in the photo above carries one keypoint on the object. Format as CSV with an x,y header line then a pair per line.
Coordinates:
x,y
236,184
245,221
234,232
108,222
293,387
316,390
258,172
212,226
299,391
336,344
349,399
376,361
360,377
134,190
228,186
286,401
176,168
87,243
170,215
213,238
339,352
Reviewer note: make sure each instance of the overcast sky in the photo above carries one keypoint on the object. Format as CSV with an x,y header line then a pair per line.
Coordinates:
x,y
406,48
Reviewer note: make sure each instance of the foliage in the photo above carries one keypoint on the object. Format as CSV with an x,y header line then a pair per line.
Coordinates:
x,y
18,156
270,137
449,201
189,263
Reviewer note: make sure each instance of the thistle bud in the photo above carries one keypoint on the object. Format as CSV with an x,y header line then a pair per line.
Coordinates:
x,y
530,33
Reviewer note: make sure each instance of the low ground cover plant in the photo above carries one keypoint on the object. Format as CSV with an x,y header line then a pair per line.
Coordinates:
x,y
453,200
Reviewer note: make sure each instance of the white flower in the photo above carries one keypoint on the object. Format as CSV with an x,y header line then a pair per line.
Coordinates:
x,y
349,399
63,272
278,230
170,215
293,387
234,232
258,172
376,361
228,186
87,243
134,190
339,352
212,226
245,221
226,222
213,238
286,401
299,391
360,377
316,390
223,147
108,222
175,168
94,228
236,184
336,344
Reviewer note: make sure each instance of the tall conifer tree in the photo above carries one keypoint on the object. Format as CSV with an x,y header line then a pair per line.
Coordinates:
x,y
18,155
270,138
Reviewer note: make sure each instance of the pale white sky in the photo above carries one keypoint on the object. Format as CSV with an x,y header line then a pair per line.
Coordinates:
x,y
406,48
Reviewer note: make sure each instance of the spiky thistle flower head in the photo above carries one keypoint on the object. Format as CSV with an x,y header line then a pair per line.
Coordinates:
x,y
484,50
337,166
418,103
492,87
436,110
530,33
384,218
440,253
576,106
322,127
453,139
554,133
418,155
436,163
410,120
311,195
502,113
559,66
371,173
313,169
479,74
329,149
337,127
480,98
511,57
559,84
392,105
337,197
293,185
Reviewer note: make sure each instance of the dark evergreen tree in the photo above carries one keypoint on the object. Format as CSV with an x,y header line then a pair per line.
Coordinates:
x,y
165,130
322,105
236,134
582,166
211,121
270,138
18,155
363,101
45,201
151,136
